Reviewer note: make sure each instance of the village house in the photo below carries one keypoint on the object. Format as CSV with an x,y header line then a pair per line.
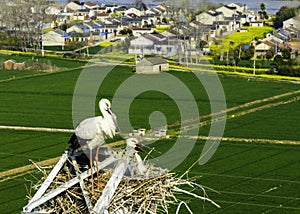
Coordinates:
x,y
292,22
239,7
138,132
82,15
152,65
101,16
54,38
206,32
149,20
262,48
256,24
227,11
207,18
159,9
78,28
154,43
160,132
74,6
11,64
141,31
53,10
91,5
135,11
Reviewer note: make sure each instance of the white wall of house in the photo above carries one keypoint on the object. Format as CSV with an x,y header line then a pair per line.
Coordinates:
x,y
205,18
261,49
208,19
256,24
141,31
295,22
144,66
73,6
226,11
241,8
52,10
75,28
53,39
141,42
134,10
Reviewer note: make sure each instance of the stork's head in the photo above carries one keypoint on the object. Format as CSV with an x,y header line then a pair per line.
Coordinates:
x,y
132,143
104,104
105,108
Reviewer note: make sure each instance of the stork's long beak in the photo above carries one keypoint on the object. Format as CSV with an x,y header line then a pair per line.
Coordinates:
x,y
140,149
151,148
114,118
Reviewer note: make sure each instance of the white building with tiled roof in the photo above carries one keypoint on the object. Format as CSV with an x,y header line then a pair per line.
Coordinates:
x,y
152,65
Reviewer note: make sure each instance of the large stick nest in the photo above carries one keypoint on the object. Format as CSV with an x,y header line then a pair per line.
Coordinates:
x,y
136,194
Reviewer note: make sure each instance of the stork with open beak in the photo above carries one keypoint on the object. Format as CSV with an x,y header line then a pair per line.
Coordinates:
x,y
132,148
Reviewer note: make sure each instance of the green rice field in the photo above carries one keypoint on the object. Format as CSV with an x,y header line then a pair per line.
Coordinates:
x,y
251,178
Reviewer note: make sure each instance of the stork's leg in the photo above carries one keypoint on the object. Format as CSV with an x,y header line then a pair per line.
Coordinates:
x,y
97,168
92,176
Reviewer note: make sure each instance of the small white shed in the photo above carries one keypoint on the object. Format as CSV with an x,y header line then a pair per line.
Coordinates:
x,y
152,65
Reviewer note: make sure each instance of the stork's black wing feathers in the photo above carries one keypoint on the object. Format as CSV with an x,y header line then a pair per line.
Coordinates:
x,y
73,142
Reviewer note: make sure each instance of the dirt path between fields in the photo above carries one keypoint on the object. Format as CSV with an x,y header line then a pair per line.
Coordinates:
x,y
245,140
245,105
40,129
20,171
241,113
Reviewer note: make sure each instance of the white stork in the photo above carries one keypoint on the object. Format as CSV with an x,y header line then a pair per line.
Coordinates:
x,y
92,132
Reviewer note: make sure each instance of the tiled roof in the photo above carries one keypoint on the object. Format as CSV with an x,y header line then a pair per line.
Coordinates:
x,y
156,60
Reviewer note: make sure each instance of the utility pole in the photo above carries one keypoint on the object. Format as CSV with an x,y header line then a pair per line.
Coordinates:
x,y
254,62
222,53
234,20
227,57
87,47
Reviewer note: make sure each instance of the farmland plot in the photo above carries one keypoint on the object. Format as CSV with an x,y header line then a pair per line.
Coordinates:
x,y
252,178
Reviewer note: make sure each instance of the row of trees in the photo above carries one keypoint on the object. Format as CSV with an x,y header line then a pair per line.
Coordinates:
x,y
285,13
181,13
22,23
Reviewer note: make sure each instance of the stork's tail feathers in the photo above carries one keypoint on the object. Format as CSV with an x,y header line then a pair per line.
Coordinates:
x,y
73,142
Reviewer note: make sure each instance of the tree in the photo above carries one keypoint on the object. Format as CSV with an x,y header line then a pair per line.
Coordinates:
x,y
202,44
286,53
248,54
139,4
262,7
270,53
263,12
285,13
164,20
278,60
24,20
126,31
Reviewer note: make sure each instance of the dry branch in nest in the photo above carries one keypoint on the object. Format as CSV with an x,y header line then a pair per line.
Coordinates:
x,y
138,194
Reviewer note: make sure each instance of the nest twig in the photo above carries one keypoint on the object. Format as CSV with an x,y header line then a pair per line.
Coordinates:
x,y
138,194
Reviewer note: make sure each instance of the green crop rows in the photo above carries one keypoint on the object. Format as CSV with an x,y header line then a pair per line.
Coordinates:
x,y
251,178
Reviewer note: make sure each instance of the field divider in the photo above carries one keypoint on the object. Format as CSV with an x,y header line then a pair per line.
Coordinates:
x,y
244,177
20,171
40,129
245,105
238,114
244,140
